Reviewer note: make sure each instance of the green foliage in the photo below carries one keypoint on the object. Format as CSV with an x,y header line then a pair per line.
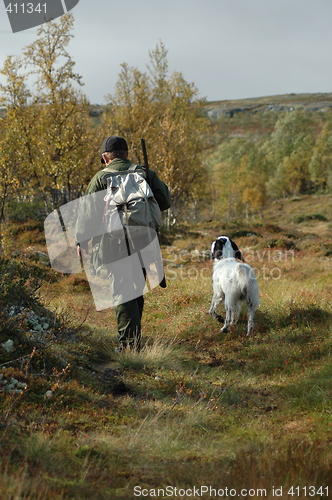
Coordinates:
x,y
248,169
239,177
288,154
24,211
320,166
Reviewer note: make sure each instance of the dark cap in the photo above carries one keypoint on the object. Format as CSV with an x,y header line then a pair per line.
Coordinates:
x,y
113,143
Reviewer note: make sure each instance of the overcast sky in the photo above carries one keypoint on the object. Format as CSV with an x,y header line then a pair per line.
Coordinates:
x,y
230,49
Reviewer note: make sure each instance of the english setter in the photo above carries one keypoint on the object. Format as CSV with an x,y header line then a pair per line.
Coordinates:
x,y
234,282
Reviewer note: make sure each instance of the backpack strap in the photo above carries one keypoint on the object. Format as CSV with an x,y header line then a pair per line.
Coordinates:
x,y
107,169
134,167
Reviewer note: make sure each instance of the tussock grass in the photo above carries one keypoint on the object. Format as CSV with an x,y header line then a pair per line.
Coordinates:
x,y
159,353
20,484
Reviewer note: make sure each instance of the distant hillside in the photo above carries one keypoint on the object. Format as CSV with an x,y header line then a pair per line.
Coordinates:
x,y
255,118
279,103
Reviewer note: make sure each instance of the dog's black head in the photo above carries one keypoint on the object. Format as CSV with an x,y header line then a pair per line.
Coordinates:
x,y
224,247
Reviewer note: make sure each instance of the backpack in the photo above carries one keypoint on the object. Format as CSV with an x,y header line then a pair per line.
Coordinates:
x,y
129,200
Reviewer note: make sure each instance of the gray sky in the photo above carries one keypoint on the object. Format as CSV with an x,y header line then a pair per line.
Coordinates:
x,y
230,49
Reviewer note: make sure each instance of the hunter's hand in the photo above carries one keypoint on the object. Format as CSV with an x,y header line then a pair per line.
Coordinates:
x,y
82,247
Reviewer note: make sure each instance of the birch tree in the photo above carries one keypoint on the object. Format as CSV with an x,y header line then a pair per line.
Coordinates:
x,y
320,166
55,146
288,154
166,111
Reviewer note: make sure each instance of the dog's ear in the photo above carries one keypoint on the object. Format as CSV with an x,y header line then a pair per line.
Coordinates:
x,y
212,250
216,248
237,252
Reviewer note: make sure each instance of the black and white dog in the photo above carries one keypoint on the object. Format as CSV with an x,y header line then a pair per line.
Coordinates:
x,y
234,282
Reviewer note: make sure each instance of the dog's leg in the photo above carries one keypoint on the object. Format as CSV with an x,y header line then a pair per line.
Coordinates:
x,y
233,309
213,308
250,324
252,304
228,318
225,327
236,309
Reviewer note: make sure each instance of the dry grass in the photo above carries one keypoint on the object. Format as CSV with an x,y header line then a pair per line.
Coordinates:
x,y
194,407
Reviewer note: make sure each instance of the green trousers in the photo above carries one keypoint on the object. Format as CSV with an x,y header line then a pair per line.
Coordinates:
x,y
129,315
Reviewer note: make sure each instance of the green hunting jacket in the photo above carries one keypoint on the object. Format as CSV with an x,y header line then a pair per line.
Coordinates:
x,y
92,208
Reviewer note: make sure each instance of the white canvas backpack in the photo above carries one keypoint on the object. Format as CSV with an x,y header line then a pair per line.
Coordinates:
x,y
129,200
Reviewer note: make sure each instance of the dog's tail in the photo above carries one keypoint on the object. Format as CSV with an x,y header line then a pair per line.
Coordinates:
x,y
248,284
245,276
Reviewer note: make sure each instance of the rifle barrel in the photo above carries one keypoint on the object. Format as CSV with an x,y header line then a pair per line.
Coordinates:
x,y
146,164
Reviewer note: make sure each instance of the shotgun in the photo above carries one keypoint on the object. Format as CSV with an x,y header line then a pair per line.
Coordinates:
x,y
146,164
146,161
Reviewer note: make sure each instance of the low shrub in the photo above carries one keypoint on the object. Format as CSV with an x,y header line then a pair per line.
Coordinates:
x,y
18,282
23,211
304,218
